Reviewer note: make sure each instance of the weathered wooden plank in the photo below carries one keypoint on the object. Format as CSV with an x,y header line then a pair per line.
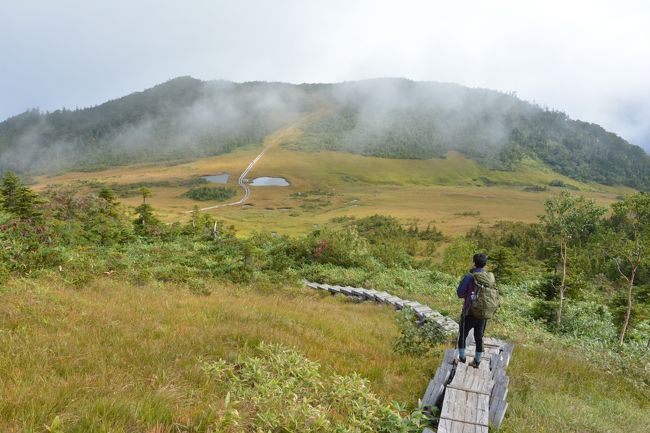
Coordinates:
x,y
427,398
370,293
345,290
459,374
445,426
392,300
470,405
333,289
499,413
434,314
507,352
379,297
421,311
412,304
483,407
500,390
450,354
436,388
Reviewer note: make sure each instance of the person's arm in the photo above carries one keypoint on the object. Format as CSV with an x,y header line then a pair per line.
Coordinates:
x,y
464,285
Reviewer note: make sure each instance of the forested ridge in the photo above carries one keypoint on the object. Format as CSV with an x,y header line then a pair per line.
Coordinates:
x,y
181,119
397,118
187,118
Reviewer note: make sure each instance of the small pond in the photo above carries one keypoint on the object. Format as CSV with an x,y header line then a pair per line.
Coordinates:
x,y
217,178
269,181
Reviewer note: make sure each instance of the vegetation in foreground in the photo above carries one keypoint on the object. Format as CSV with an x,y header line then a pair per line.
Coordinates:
x,y
135,318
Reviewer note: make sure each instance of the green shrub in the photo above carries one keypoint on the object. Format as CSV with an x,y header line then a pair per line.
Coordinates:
x,y
414,338
344,247
276,389
457,259
212,193
588,320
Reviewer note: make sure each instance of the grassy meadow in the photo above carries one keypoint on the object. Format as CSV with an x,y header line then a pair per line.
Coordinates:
x,y
117,357
454,194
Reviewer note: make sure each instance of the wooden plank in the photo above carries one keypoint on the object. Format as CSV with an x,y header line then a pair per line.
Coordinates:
x,y
507,352
445,426
344,290
499,414
412,304
483,409
370,294
447,404
436,388
392,300
450,354
434,314
470,405
379,297
333,289
459,374
459,425
427,398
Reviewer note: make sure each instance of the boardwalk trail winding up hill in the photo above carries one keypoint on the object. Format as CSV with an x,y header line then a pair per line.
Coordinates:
x,y
468,399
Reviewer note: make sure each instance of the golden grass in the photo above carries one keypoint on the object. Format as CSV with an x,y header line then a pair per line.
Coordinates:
x,y
123,358
553,389
114,357
434,191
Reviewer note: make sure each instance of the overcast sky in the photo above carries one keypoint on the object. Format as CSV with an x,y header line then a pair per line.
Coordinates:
x,y
590,59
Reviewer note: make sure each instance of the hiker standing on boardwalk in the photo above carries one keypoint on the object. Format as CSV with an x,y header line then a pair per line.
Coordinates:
x,y
481,300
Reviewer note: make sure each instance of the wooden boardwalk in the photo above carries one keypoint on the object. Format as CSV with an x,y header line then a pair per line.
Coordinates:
x,y
423,312
469,399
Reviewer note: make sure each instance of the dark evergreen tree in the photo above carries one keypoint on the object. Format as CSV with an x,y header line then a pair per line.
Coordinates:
x,y
18,199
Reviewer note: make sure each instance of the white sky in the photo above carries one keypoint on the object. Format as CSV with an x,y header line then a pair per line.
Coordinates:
x,y
590,59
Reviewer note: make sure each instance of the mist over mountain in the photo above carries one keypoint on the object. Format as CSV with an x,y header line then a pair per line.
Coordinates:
x,y
397,118
394,118
180,119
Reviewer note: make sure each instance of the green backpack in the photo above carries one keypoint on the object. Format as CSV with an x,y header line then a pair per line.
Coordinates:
x,y
485,301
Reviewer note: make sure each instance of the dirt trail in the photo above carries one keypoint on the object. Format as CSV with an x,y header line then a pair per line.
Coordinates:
x,y
278,137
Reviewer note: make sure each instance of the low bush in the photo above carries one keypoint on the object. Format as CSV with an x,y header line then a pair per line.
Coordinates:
x,y
212,193
417,339
278,389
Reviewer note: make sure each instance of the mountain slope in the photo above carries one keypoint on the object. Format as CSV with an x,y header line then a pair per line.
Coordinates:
x,y
187,118
182,118
404,119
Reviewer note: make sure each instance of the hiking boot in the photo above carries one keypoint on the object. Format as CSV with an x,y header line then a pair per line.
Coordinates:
x,y
459,360
474,363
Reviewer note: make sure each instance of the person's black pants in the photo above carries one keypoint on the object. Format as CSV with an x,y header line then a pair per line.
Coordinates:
x,y
467,323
